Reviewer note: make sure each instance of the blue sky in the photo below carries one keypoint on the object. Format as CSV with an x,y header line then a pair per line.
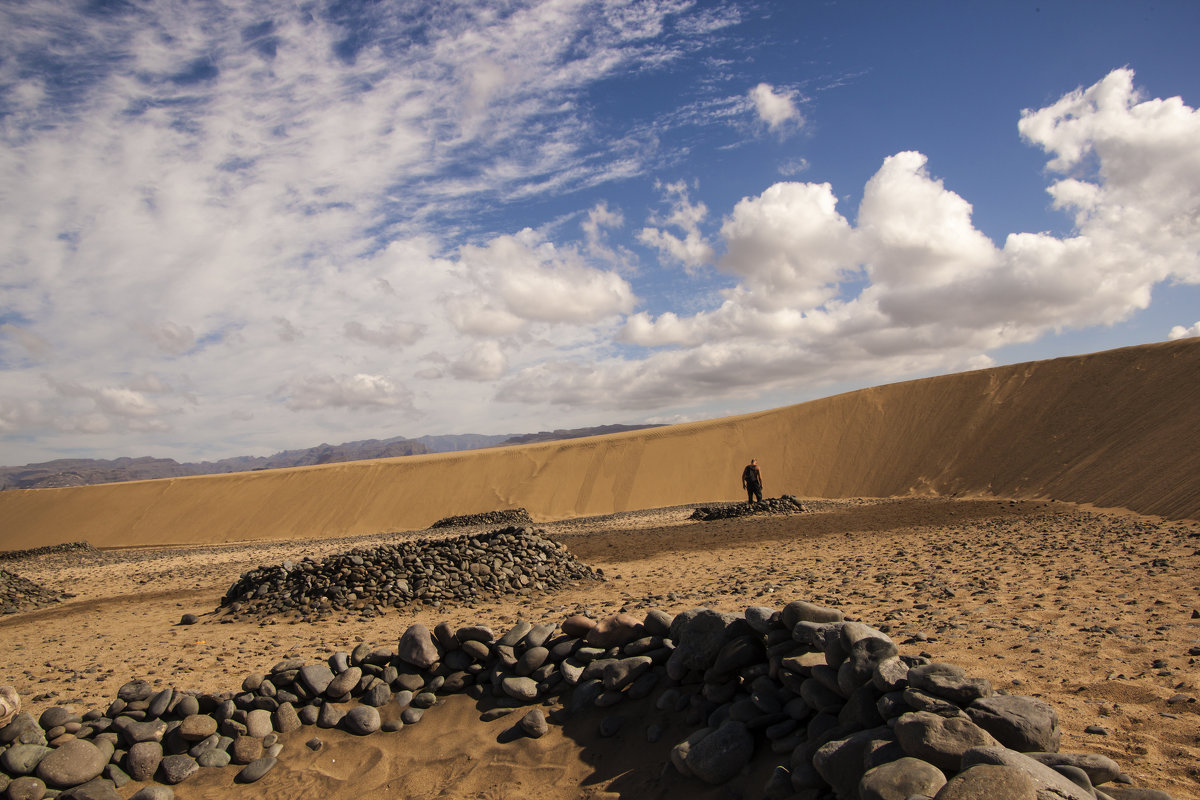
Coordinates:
x,y
237,227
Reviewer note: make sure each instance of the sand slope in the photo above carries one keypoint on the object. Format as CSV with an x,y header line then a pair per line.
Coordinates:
x,y
1113,429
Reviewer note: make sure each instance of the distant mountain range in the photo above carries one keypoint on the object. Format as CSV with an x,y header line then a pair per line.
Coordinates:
x,y
84,471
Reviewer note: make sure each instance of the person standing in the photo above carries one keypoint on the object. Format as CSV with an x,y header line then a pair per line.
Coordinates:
x,y
752,481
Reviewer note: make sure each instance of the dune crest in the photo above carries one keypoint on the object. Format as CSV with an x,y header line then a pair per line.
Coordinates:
x,y
1112,429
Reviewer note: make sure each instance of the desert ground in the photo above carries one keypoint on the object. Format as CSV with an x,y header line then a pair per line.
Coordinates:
x,y
1036,524
1093,611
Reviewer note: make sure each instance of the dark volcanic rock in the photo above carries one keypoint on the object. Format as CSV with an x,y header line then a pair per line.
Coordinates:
x,y
768,505
427,571
515,516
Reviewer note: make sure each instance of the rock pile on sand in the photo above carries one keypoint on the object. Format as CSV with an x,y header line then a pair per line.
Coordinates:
x,y
66,547
514,516
845,715
428,571
785,504
19,594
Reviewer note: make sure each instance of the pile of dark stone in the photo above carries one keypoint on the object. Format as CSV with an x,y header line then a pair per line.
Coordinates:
x,y
20,594
367,581
832,700
514,516
66,547
785,504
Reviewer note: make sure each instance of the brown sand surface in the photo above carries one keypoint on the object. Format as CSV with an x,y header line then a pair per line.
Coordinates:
x,y
1092,610
1114,429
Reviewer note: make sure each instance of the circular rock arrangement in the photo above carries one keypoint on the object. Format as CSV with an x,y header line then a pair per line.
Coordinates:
x,y
67,547
843,712
428,571
785,504
19,594
515,516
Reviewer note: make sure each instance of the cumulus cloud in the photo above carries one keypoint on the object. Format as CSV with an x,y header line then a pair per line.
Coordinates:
x,y
522,278
776,108
1184,332
927,290
692,250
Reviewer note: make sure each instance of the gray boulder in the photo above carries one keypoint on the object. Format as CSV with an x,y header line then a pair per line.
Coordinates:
x,y
989,782
722,754
1024,724
900,779
75,762
1049,784
940,740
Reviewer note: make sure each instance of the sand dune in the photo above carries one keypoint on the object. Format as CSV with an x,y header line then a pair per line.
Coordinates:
x,y
1112,429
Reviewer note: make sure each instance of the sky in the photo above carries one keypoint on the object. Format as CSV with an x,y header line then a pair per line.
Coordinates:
x,y
233,227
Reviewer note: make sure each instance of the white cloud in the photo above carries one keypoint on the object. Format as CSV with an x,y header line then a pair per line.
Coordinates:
x,y
1184,332
522,278
692,250
776,108
485,361
387,334
344,391
935,293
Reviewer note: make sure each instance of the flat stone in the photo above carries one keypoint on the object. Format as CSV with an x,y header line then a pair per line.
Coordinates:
x,y
1100,769
900,779
801,611
135,690
524,689
315,678
256,769
949,682
213,757
75,762
1024,724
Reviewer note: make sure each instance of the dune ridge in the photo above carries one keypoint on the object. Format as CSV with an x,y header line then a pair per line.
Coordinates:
x,y
1111,429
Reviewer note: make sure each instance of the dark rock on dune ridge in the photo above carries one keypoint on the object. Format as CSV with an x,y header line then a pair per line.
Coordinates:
x,y
768,505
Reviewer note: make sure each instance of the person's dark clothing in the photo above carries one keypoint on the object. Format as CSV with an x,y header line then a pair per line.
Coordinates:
x,y
752,480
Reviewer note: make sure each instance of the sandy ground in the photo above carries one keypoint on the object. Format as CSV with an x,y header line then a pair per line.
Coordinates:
x,y
1093,611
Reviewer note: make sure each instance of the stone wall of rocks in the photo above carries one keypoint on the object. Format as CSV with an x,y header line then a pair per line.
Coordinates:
x,y
845,715
66,547
510,517
785,504
20,594
427,571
